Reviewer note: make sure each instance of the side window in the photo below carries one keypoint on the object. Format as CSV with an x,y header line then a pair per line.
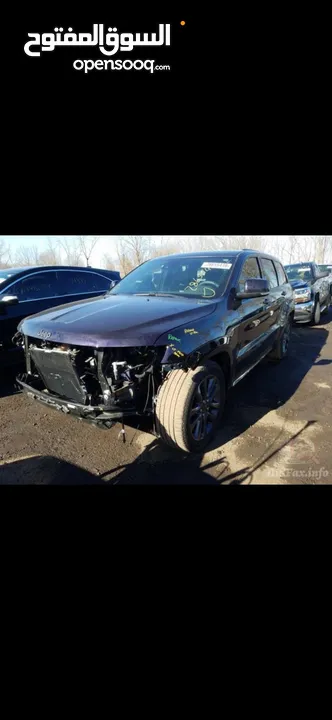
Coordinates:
x,y
250,270
269,272
282,279
76,282
97,282
36,287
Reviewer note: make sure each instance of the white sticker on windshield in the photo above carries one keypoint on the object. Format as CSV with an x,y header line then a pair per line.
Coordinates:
x,y
219,265
303,269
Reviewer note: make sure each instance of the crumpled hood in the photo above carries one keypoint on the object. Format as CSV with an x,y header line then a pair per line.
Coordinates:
x,y
115,320
299,284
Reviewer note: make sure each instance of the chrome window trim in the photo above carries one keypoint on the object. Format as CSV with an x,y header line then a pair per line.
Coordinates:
x,y
39,272
54,297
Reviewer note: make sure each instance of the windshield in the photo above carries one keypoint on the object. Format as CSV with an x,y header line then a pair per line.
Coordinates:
x,y
199,277
299,272
5,274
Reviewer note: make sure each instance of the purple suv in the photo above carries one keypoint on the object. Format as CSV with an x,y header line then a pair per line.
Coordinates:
x,y
166,341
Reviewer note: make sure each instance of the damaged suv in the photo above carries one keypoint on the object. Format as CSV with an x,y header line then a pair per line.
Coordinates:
x,y
166,341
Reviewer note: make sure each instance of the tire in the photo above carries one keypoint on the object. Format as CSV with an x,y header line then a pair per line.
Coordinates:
x,y
328,303
282,346
181,416
316,314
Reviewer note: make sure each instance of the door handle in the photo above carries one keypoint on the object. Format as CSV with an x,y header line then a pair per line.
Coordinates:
x,y
283,293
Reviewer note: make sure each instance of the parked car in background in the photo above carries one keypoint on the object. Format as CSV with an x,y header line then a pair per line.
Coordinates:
x,y
312,291
166,342
30,290
327,268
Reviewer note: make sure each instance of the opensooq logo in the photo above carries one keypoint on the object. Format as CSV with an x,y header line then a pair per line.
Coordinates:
x,y
110,43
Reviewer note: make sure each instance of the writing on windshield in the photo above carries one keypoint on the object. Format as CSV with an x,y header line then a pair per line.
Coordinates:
x,y
203,277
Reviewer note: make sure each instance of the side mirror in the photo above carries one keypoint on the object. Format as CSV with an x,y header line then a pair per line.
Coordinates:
x,y
9,300
254,287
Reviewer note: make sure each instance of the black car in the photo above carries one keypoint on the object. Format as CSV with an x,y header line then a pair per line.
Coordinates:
x,y
29,290
312,291
166,341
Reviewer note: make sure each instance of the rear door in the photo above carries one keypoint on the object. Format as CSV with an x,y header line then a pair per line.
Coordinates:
x,y
75,285
252,316
273,303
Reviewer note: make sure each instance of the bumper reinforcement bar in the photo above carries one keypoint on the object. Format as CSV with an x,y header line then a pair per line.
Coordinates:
x,y
92,413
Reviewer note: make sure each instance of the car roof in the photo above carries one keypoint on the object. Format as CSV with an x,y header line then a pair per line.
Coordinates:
x,y
33,268
10,275
246,252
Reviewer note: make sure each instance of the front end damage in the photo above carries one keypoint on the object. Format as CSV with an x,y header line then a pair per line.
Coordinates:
x,y
99,385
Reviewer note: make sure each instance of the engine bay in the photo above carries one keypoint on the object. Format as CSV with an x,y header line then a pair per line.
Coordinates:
x,y
123,378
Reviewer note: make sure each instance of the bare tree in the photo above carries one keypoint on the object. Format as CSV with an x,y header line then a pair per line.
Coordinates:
x,y
107,262
87,245
27,255
132,250
4,254
52,255
72,251
165,246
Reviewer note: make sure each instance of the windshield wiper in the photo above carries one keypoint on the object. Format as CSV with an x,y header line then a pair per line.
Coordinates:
x,y
156,294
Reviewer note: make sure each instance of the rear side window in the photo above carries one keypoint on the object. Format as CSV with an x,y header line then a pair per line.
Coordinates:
x,y
76,283
35,287
250,270
97,282
269,272
282,279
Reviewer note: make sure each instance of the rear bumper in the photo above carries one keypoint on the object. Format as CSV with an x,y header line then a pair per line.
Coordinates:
x,y
91,413
304,311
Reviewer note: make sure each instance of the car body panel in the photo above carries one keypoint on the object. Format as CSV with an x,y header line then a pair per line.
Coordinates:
x,y
115,320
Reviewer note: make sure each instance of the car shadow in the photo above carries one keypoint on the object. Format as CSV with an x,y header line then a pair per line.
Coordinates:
x,y
269,385
153,466
147,469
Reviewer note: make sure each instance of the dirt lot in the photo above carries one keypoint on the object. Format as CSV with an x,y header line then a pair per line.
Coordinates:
x,y
276,429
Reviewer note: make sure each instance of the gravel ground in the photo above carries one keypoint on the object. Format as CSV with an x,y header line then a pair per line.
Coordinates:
x,y
276,429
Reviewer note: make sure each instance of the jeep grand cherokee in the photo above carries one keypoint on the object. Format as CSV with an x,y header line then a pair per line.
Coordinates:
x,y
167,341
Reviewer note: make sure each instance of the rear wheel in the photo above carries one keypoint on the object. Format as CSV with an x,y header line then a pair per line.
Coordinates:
x,y
316,313
282,346
189,406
